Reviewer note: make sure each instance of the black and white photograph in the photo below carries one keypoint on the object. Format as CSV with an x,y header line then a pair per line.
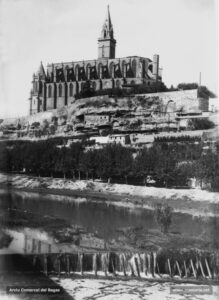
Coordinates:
x,y
109,150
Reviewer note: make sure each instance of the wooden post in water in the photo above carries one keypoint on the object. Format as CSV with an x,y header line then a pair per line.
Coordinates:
x,y
145,263
178,268
202,270
105,264
186,273
81,256
207,266
137,266
169,267
154,262
123,263
131,268
68,264
113,267
45,266
95,263
103,261
140,262
149,263
107,261
158,270
193,269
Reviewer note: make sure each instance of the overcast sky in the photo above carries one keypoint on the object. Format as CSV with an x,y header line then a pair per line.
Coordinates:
x,y
182,32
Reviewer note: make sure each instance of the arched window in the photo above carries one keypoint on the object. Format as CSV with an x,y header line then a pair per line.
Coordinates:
x,y
70,89
82,86
100,71
94,85
60,90
134,64
88,71
118,83
111,69
49,91
123,69
76,71
101,85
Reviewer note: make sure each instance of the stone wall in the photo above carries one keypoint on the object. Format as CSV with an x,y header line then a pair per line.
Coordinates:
x,y
186,101
34,105
49,104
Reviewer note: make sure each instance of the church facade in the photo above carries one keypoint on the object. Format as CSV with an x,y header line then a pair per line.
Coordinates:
x,y
57,86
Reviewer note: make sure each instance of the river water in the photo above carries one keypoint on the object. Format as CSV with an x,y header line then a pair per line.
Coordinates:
x,y
103,219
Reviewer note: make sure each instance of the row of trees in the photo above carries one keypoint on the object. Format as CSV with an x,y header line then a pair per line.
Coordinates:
x,y
182,138
168,164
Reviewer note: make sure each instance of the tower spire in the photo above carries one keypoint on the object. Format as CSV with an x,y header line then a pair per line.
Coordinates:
x,y
109,18
107,43
107,29
41,71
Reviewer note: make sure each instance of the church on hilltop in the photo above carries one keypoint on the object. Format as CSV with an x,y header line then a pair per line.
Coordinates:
x,y
61,82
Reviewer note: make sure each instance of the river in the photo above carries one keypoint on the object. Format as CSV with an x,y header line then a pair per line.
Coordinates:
x,y
103,219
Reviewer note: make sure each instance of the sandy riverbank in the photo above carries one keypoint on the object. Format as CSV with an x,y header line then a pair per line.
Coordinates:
x,y
131,290
196,202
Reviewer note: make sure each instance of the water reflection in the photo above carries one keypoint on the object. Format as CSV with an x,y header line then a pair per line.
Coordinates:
x,y
27,241
100,218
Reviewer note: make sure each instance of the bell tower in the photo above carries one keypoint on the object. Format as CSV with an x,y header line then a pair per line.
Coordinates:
x,y
107,43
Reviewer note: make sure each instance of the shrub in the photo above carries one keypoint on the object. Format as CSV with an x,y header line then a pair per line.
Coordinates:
x,y
163,216
201,124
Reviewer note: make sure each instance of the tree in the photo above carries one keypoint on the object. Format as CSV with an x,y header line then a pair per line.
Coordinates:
x,y
35,125
62,163
87,90
187,86
201,124
4,157
204,92
75,152
163,215
145,161
88,162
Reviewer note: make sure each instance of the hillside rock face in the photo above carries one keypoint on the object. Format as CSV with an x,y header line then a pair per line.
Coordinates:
x,y
144,112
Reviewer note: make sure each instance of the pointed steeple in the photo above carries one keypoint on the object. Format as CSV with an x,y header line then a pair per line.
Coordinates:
x,y
41,72
109,18
107,29
106,42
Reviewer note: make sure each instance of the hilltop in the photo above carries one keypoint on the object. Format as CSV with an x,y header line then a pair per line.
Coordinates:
x,y
141,115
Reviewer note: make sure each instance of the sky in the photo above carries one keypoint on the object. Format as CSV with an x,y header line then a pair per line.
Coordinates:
x,y
183,32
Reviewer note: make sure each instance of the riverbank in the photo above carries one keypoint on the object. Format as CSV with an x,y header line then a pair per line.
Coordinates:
x,y
191,201
133,289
